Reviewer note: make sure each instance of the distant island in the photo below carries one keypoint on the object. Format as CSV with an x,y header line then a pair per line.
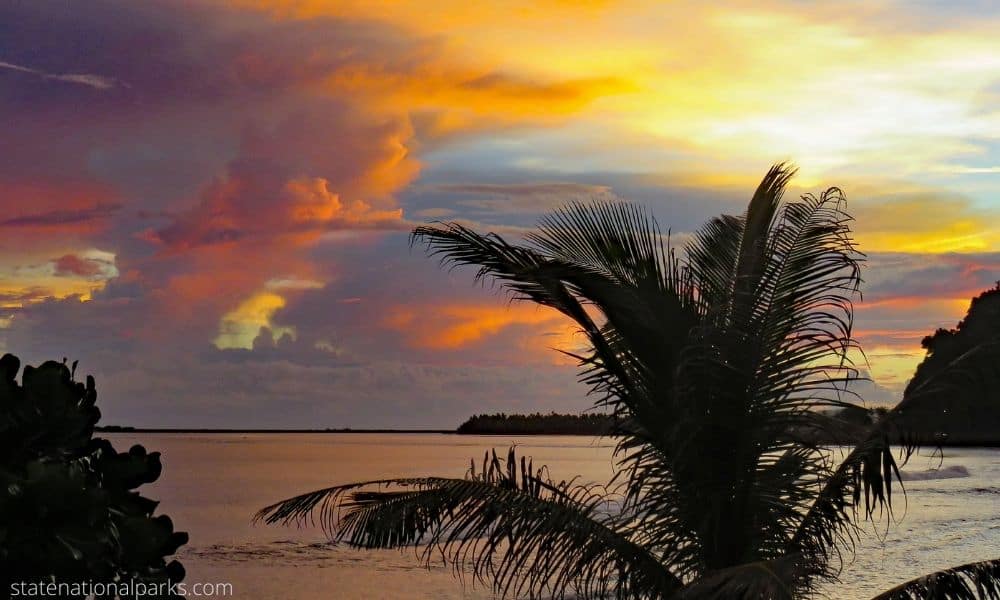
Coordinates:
x,y
538,424
850,420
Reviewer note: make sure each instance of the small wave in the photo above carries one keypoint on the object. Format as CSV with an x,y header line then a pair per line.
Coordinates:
x,y
950,472
277,550
288,553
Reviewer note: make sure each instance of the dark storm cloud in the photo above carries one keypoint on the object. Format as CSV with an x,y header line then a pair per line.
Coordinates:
x,y
62,216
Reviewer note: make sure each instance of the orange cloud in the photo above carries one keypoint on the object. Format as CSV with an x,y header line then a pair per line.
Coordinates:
x,y
916,307
461,71
450,99
458,326
289,185
310,201
74,209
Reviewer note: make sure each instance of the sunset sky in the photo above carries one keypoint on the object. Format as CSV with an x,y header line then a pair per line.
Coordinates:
x,y
208,203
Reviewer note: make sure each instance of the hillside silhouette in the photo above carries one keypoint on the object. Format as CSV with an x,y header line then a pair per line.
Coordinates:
x,y
965,411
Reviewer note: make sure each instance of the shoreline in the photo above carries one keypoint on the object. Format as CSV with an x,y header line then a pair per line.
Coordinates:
x,y
346,430
222,430
129,430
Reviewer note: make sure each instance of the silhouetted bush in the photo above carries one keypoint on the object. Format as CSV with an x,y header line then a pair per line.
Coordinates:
x,y
69,506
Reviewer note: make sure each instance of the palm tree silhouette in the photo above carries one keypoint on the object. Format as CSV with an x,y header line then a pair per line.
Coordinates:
x,y
720,365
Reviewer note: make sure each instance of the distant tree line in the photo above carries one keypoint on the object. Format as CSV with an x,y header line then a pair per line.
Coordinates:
x,y
850,422
538,424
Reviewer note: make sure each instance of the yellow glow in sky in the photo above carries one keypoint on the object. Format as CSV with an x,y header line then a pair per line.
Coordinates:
x,y
74,273
240,326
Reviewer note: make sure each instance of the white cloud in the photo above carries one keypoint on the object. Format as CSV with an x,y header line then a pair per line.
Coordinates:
x,y
97,82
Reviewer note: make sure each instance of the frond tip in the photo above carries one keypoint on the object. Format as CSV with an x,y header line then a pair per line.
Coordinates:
x,y
508,525
972,581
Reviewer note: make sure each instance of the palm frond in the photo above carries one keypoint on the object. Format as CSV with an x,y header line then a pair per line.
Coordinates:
x,y
753,372
830,525
618,239
508,524
972,581
711,256
522,270
756,232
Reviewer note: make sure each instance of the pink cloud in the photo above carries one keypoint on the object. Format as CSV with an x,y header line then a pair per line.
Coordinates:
x,y
71,264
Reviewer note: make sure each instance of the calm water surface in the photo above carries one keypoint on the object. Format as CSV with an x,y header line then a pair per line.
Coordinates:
x,y
213,483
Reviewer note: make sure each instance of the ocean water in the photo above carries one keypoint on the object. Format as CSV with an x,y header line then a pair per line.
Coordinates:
x,y
213,483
